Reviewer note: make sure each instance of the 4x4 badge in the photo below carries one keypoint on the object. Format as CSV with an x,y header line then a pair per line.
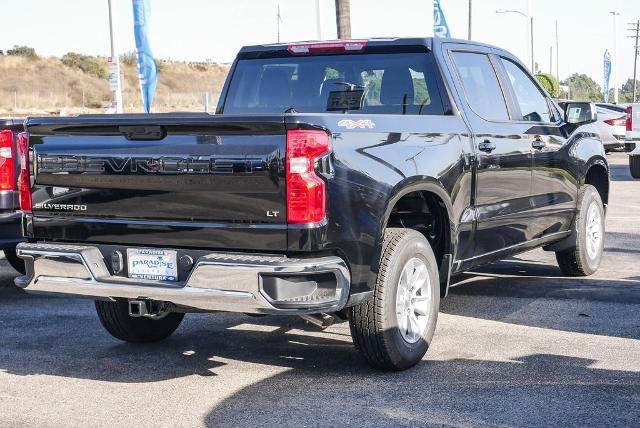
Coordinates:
x,y
353,124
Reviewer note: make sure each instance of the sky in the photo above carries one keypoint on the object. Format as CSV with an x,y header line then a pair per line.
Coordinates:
x,y
198,30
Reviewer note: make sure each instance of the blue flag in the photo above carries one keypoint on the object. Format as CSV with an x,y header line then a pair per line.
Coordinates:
x,y
607,74
440,27
147,71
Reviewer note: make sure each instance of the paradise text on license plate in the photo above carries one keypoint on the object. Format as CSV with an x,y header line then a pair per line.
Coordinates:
x,y
152,263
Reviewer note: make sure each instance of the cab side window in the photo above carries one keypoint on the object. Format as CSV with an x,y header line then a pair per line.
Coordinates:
x,y
533,104
481,85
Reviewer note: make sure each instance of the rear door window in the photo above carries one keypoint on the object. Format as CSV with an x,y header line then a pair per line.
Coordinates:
x,y
388,83
481,86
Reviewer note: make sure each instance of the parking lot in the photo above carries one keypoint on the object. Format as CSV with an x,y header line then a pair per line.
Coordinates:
x,y
516,344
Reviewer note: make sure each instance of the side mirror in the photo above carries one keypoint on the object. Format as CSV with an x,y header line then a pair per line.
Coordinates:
x,y
580,113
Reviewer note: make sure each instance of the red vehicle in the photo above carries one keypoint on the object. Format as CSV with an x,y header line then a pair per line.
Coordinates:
x,y
10,216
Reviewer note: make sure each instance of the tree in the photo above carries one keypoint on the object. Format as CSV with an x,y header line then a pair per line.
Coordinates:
x,y
625,94
343,18
549,83
24,51
583,88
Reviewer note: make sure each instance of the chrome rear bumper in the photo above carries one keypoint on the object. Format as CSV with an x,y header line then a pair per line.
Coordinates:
x,y
217,282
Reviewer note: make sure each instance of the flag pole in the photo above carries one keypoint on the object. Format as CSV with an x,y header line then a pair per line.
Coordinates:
x,y
115,83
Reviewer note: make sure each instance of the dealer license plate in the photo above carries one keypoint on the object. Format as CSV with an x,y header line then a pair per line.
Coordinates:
x,y
151,263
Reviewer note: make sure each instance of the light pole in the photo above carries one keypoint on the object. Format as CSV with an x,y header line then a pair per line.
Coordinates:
x,y
615,57
557,55
278,21
635,29
318,21
115,83
529,31
470,18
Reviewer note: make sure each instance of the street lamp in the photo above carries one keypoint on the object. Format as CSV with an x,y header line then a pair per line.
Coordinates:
x,y
529,31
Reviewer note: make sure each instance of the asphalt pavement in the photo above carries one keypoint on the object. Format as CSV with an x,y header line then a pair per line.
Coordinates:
x,y
517,344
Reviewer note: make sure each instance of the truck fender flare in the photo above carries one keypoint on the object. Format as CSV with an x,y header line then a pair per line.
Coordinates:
x,y
572,240
419,184
596,160
600,162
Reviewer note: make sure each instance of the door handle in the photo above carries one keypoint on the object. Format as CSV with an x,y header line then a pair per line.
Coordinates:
x,y
487,146
538,144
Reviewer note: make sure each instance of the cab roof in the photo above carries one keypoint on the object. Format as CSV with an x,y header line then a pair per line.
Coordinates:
x,y
372,45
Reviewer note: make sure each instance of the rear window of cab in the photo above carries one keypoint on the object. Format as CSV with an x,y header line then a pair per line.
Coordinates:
x,y
402,83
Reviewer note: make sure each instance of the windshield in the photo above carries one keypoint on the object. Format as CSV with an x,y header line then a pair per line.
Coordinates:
x,y
370,83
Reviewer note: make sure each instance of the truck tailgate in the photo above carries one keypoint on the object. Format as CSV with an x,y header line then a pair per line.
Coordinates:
x,y
162,179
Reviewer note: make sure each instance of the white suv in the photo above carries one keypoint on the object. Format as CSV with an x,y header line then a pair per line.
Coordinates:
x,y
632,140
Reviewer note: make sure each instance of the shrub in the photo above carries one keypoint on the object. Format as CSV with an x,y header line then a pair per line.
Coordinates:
x,y
24,51
199,66
88,64
549,83
129,58
160,66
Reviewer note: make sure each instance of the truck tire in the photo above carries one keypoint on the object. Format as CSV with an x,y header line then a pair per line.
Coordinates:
x,y
634,166
16,262
584,259
115,318
393,330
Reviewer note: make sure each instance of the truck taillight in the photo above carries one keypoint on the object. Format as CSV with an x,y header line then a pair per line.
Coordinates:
x,y
306,191
7,171
629,118
24,183
621,121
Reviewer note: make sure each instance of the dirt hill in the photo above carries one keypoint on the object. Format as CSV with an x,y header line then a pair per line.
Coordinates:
x,y
60,86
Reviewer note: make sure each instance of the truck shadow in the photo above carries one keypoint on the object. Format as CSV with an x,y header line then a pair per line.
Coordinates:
x,y
534,390
62,337
287,373
66,339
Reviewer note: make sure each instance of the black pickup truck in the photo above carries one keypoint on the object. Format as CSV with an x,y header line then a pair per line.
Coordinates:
x,y
337,180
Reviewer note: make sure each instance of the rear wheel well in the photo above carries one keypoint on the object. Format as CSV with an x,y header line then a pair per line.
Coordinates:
x,y
598,177
426,213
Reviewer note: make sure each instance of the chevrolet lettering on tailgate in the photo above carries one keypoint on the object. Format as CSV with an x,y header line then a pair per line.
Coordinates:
x,y
149,165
